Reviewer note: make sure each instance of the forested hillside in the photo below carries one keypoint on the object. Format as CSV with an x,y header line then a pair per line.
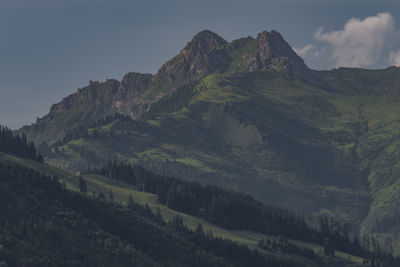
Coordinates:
x,y
42,223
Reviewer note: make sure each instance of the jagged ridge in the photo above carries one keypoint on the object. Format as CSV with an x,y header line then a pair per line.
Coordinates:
x,y
205,54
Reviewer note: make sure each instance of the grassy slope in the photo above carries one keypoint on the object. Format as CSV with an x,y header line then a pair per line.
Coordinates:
x,y
282,140
257,151
122,191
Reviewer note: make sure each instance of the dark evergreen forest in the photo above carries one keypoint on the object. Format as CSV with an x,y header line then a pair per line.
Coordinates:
x,y
17,145
43,224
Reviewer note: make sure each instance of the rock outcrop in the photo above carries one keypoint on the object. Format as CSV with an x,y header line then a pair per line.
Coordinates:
x,y
133,83
272,52
203,55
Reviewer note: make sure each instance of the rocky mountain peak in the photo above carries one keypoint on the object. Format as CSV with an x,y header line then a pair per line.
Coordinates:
x,y
204,42
272,52
201,56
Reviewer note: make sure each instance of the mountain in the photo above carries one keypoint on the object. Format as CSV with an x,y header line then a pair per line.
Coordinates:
x,y
247,115
201,56
205,54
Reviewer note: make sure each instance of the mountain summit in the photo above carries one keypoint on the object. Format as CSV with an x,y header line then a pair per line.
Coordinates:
x,y
207,53
201,56
272,52
205,42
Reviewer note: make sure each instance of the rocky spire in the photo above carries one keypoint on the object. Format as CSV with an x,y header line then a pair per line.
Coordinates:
x,y
203,43
272,52
201,56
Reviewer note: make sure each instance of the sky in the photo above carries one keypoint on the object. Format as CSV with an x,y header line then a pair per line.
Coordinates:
x,y
50,48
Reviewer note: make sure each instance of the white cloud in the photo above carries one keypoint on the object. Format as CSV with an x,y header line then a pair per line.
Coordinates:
x,y
394,58
303,51
361,42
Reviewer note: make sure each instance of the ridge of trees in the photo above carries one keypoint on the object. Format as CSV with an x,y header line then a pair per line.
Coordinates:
x,y
17,145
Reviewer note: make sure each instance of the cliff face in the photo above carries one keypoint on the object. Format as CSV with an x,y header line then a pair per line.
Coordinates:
x,y
90,104
94,94
274,53
133,84
129,98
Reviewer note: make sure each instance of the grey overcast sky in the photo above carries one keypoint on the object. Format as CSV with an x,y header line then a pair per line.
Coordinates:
x,y
49,48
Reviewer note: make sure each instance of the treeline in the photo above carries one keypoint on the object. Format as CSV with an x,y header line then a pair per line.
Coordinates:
x,y
238,211
17,145
231,210
336,235
65,228
226,208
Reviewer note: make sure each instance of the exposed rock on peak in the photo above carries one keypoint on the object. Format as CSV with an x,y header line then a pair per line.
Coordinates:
x,y
201,56
204,42
274,53
207,53
95,92
133,83
129,96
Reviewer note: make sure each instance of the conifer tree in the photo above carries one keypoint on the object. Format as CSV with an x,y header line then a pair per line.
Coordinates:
x,y
111,196
131,202
82,185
